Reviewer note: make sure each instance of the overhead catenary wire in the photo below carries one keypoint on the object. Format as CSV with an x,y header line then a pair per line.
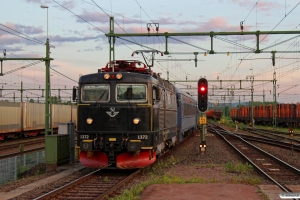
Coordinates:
x,y
114,21
123,28
159,38
134,42
238,65
40,42
266,35
255,5
231,69
63,75
206,50
27,37
35,63
123,16
22,36
79,17
280,21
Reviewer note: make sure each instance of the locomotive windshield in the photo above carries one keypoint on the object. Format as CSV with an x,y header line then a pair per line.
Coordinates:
x,y
95,92
132,93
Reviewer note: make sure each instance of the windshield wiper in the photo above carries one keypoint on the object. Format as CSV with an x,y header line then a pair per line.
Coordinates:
x,y
100,97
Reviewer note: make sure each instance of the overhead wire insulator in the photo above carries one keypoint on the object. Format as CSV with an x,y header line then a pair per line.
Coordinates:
x,y
148,27
273,58
242,25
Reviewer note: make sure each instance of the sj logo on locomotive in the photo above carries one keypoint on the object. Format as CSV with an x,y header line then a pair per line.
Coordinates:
x,y
143,137
112,112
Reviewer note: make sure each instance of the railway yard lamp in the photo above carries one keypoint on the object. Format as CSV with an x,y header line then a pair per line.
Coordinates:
x,y
42,6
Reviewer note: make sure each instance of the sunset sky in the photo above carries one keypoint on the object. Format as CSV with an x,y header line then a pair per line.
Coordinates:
x,y
77,28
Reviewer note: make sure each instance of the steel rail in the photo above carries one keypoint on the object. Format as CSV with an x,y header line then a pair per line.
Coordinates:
x,y
249,160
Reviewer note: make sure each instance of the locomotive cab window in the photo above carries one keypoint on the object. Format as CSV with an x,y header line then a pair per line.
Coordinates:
x,y
155,95
131,92
95,93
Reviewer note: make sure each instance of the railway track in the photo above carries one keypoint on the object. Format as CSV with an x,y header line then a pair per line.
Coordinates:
x,y
25,143
96,185
270,141
278,171
277,135
270,131
17,148
21,146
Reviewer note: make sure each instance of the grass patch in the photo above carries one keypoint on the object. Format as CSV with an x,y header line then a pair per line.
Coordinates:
x,y
263,195
238,168
105,179
135,191
243,172
250,180
228,122
156,175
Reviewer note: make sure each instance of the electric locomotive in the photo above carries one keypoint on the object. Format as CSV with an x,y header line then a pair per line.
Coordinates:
x,y
126,116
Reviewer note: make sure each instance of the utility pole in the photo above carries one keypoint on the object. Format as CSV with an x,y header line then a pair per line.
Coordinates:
x,y
252,90
47,59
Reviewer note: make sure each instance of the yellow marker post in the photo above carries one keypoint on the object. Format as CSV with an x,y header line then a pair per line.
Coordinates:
x,y
202,120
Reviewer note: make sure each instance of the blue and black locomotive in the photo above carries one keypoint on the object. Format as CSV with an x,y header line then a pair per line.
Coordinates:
x,y
127,115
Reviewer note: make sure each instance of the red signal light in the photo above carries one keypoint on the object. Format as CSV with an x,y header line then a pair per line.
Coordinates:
x,y
202,94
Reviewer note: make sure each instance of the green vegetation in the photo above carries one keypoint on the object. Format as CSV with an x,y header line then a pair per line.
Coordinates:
x,y
21,170
33,171
263,195
238,168
228,122
157,175
105,179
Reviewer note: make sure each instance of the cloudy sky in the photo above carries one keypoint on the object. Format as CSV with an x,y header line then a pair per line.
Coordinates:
x,y
77,28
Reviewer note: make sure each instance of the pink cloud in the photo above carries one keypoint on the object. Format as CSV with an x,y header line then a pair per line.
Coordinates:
x,y
92,17
261,5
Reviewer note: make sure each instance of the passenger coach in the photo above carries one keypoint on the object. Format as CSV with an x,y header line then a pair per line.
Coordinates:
x,y
187,115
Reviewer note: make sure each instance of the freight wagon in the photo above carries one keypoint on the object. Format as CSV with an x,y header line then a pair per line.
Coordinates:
x,y
287,115
25,119
214,114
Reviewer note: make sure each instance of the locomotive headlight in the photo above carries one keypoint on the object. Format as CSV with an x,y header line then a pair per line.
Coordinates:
x,y
89,120
136,120
106,76
119,76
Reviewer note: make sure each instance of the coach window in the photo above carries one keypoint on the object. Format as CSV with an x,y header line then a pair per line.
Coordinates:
x,y
131,92
95,93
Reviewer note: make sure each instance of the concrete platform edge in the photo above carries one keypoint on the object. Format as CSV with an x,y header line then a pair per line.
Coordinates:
x,y
70,169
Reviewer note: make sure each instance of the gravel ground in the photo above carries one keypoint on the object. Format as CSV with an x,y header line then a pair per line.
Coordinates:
x,y
209,166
